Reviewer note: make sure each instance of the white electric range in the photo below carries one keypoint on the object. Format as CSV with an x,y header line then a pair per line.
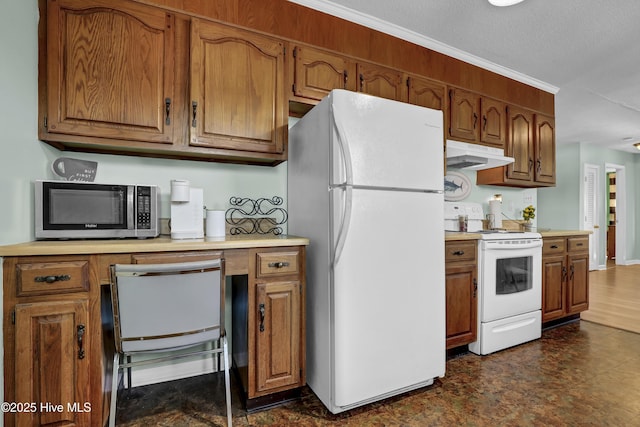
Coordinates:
x,y
509,281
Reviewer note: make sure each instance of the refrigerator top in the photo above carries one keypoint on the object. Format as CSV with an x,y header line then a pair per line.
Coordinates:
x,y
382,143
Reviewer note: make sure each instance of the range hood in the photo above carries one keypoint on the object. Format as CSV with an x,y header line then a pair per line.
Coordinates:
x,y
462,155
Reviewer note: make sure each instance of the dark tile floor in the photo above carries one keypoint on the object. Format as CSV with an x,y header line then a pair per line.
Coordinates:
x,y
580,374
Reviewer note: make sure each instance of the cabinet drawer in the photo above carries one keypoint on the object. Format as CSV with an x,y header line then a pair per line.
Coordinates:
x,y
277,263
553,246
52,277
460,251
578,244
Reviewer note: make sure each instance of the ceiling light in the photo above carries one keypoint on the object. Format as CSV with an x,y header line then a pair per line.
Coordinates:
x,y
504,2
637,145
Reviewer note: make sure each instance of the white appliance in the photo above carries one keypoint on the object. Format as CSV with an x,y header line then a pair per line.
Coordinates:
x,y
365,184
462,155
187,211
509,282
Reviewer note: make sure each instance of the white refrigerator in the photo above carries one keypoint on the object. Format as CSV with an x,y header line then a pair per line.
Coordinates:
x,y
365,184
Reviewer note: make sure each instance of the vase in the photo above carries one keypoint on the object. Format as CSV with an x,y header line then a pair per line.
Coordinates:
x,y
528,225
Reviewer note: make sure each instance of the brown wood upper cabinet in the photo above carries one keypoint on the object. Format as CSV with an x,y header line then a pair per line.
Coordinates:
x,y
125,77
426,93
381,81
477,119
531,142
238,101
317,72
109,71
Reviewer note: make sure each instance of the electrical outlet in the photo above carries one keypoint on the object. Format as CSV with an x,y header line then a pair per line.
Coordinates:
x,y
527,199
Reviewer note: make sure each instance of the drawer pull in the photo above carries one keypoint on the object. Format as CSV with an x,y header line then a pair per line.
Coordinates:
x,y
52,279
554,246
279,264
261,309
578,244
81,329
458,253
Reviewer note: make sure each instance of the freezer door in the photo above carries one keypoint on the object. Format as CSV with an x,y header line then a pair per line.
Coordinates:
x,y
389,293
382,143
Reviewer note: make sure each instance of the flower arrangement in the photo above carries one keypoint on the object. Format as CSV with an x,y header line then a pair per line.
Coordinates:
x,y
529,213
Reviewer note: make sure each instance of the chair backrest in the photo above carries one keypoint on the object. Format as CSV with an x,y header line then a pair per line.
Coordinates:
x,y
166,306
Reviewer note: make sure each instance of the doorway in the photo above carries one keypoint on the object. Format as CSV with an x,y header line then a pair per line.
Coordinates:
x,y
616,219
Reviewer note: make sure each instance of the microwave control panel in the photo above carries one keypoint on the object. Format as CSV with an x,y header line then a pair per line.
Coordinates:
x,y
143,208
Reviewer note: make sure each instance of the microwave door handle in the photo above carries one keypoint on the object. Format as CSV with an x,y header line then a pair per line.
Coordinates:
x,y
131,213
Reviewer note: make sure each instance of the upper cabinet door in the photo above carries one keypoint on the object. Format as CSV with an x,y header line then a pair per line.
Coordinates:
x,y
493,129
426,93
464,116
520,145
110,70
238,98
545,150
381,81
317,73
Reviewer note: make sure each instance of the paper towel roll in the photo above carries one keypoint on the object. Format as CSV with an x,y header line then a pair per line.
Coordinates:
x,y
215,224
179,190
495,209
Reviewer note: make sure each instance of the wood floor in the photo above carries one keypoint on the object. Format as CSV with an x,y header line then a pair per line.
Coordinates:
x,y
614,297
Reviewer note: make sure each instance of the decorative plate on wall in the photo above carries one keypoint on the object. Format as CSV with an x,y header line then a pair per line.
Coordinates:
x,y
456,186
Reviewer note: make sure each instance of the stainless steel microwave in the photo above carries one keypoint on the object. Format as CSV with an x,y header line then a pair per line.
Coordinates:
x,y
81,210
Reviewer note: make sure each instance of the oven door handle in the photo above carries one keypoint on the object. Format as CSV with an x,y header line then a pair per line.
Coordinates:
x,y
509,247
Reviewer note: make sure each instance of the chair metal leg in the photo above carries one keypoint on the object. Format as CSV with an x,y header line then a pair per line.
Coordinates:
x,y
114,390
227,380
129,373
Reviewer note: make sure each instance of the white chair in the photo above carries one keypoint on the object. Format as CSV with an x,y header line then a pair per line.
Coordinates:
x,y
165,307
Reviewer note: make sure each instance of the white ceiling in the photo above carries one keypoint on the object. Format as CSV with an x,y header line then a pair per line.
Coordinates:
x,y
586,50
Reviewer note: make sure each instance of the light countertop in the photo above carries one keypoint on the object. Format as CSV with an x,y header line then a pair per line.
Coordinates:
x,y
160,244
563,233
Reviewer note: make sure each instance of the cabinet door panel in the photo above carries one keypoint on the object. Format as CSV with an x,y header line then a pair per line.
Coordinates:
x,y
316,73
520,146
553,289
426,93
493,129
278,335
110,70
237,89
578,283
461,291
545,150
382,82
49,366
463,115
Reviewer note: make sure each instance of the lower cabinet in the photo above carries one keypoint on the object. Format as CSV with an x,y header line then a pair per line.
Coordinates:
x,y
50,342
461,292
565,276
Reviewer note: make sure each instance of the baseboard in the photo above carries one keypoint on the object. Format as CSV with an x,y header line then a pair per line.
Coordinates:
x,y
632,262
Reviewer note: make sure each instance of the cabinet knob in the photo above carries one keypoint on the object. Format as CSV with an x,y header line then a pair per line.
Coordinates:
x,y
279,264
52,279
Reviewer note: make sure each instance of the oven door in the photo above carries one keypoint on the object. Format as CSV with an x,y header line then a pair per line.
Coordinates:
x,y
510,278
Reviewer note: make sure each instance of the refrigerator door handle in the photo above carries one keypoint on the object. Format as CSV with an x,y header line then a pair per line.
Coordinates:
x,y
343,144
345,220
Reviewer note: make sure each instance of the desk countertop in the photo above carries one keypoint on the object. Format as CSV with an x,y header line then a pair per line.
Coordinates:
x,y
160,244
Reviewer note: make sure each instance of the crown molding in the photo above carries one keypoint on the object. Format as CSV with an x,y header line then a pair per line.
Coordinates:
x,y
418,39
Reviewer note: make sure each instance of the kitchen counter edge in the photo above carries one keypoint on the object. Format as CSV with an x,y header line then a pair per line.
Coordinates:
x,y
564,233
452,235
159,244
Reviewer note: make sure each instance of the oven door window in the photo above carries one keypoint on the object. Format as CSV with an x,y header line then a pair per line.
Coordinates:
x,y
513,275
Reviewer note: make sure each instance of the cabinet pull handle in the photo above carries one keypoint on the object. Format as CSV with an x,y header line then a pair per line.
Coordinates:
x,y
539,166
564,273
530,163
554,246
81,330
484,123
52,279
578,244
361,83
261,309
458,253
475,120
167,111
573,270
346,78
475,287
194,109
279,264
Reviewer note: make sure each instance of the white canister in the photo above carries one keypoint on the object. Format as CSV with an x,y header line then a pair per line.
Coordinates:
x,y
215,223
